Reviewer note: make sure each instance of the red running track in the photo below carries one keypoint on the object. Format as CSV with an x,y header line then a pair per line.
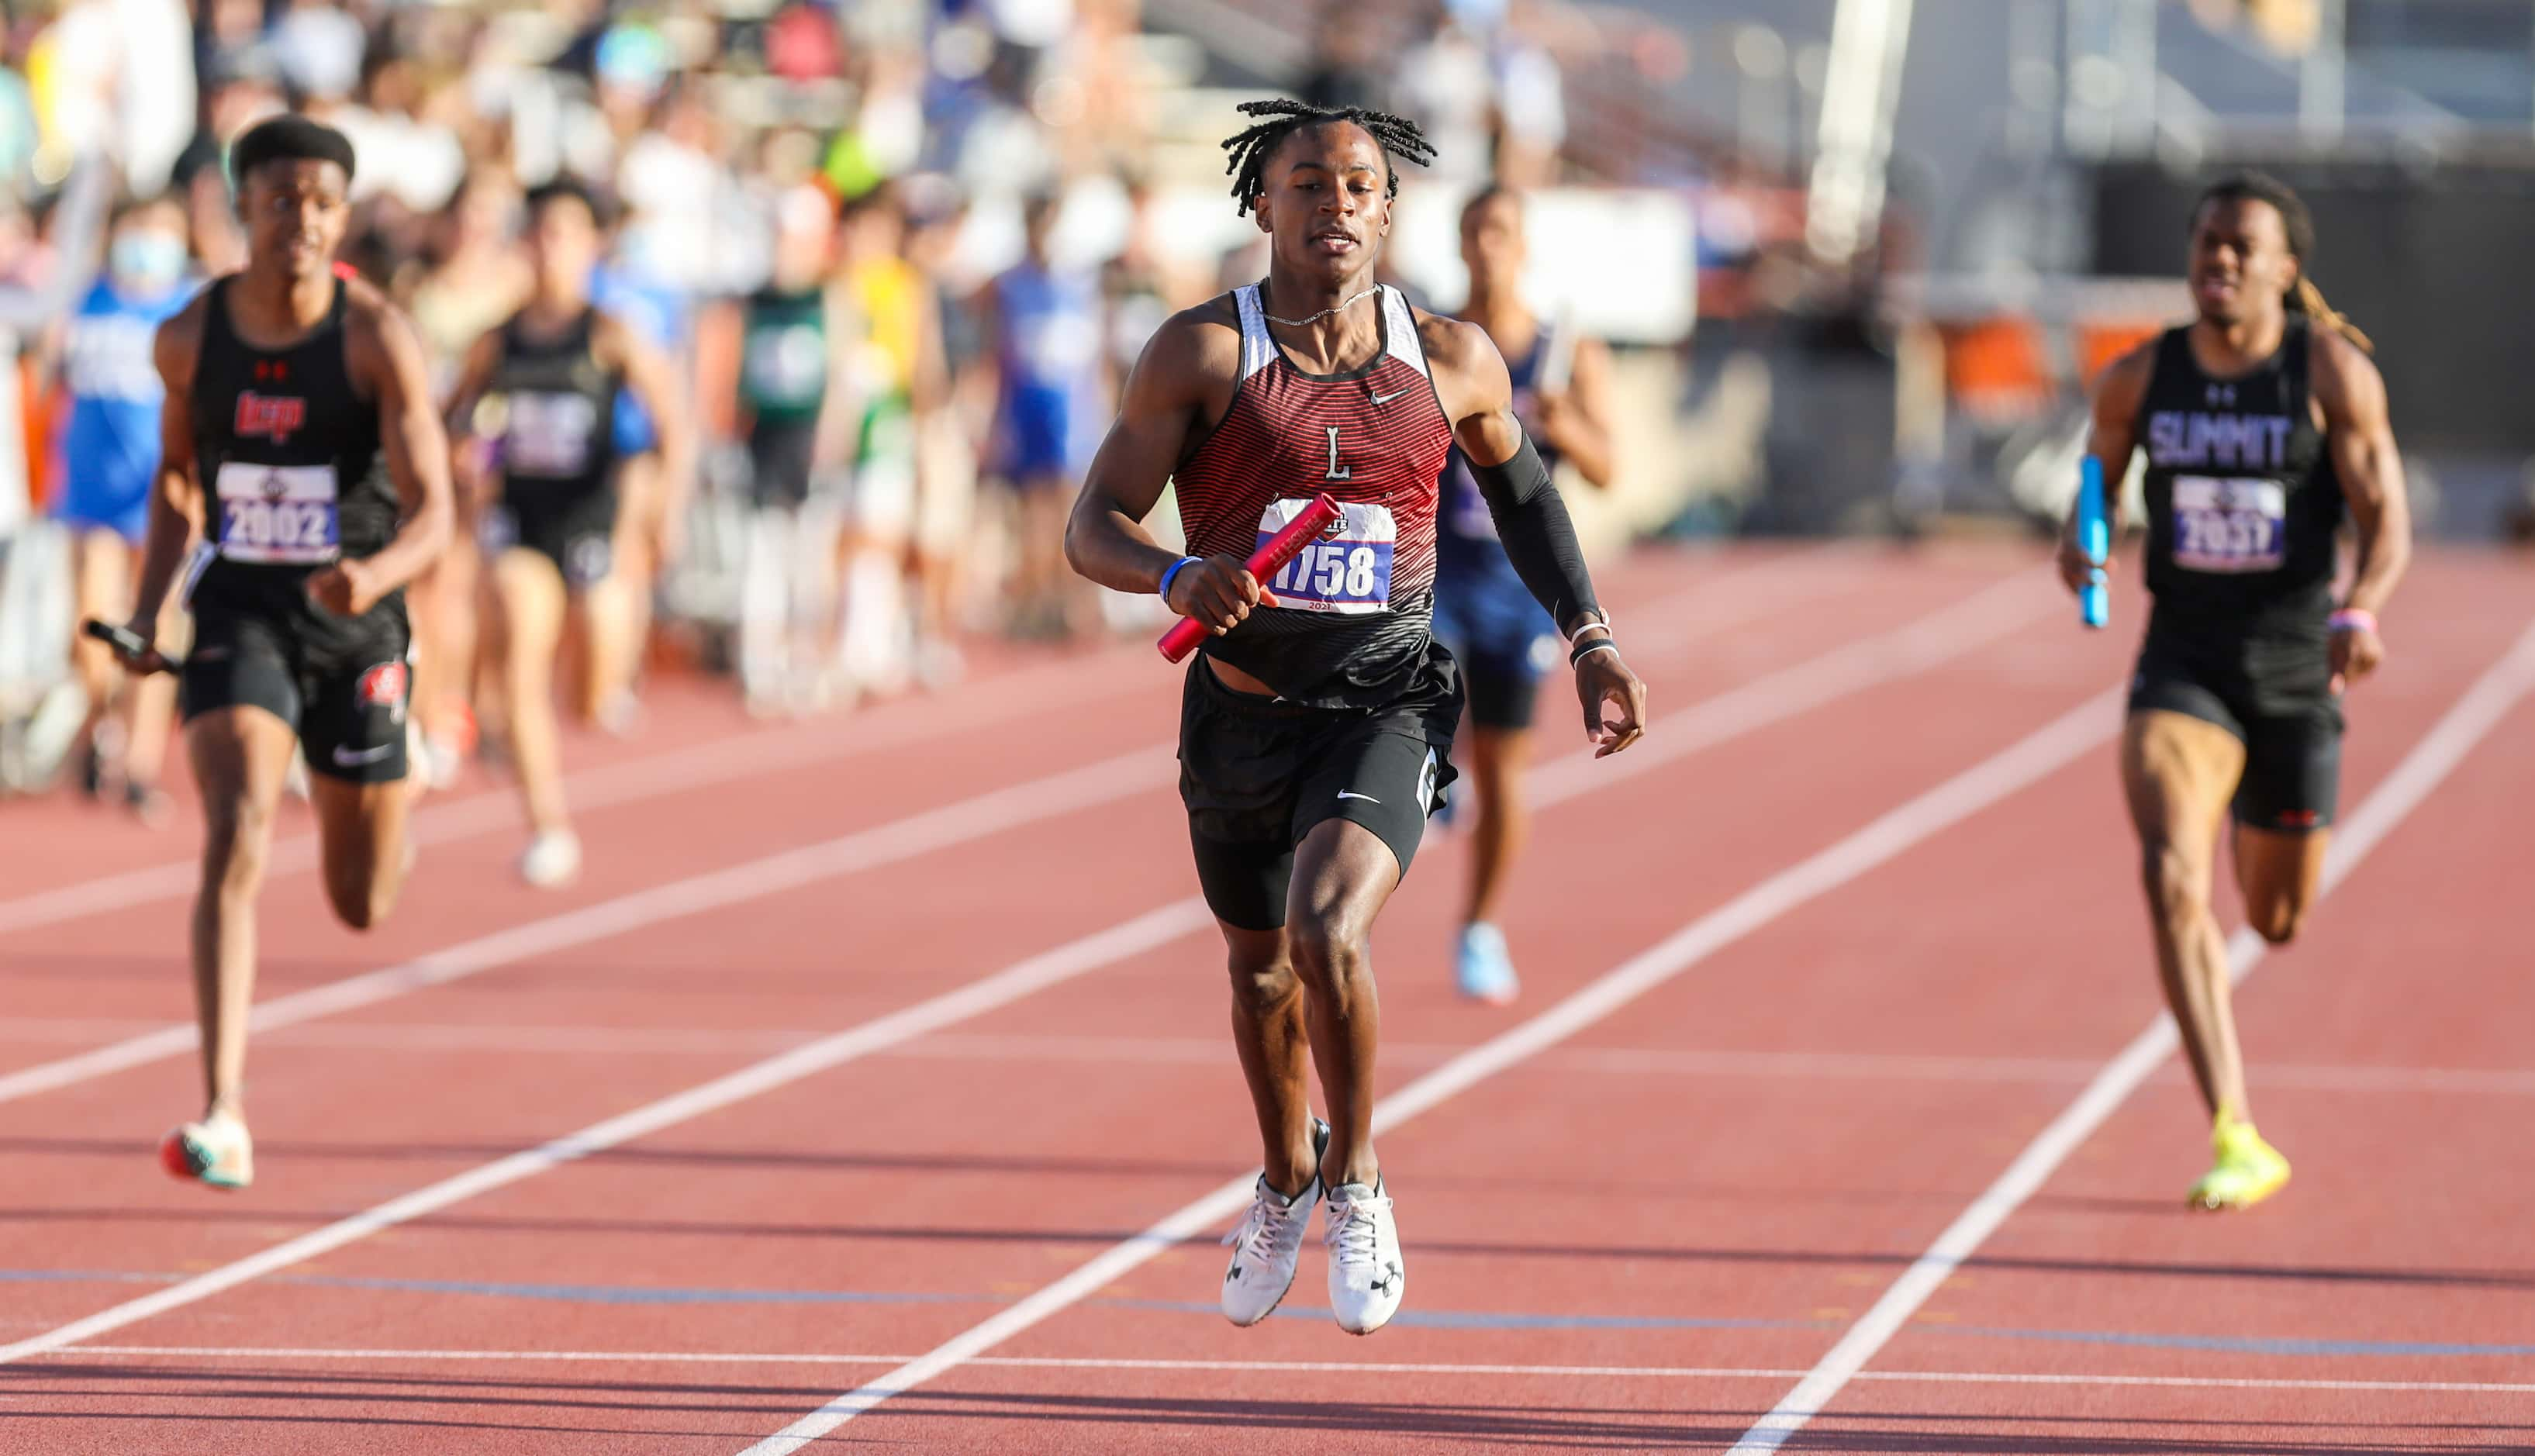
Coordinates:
x,y
1635,1235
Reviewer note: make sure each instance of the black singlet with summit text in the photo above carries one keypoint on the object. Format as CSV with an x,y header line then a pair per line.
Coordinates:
x,y
2243,503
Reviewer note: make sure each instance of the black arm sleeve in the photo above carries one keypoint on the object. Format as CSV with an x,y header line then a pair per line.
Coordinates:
x,y
1539,538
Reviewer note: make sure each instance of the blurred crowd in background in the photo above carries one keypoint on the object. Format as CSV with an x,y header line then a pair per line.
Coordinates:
x,y
999,201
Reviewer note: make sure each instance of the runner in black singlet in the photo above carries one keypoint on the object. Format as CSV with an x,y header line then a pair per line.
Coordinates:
x,y
2264,425
1315,724
300,404
541,391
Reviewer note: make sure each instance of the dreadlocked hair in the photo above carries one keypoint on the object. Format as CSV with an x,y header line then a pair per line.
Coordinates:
x,y
1396,136
2306,298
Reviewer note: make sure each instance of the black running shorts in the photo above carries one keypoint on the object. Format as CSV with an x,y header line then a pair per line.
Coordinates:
x,y
1259,773
2274,694
576,529
343,685
781,456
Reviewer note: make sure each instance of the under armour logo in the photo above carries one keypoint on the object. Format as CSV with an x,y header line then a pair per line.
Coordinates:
x,y
2222,394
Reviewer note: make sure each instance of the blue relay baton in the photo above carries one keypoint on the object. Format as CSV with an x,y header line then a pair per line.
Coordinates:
x,y
2095,539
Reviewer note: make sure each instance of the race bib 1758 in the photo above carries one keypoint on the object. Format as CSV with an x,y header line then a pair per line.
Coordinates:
x,y
277,514
2229,525
1347,569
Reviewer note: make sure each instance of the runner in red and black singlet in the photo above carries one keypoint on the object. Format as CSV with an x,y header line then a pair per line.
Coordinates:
x,y
298,405
1314,727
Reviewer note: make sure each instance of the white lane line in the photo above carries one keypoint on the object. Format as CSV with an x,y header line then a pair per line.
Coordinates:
x,y
1025,977
977,998
78,1353
1930,642
1024,693
972,818
2430,760
1945,633
1976,788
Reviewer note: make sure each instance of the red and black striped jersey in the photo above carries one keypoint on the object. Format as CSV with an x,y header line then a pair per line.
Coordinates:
x,y
1357,605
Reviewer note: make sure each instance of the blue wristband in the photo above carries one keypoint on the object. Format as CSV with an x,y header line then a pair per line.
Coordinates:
x,y
1174,571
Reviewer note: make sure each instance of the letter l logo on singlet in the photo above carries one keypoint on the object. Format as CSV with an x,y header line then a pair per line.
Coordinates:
x,y
1336,471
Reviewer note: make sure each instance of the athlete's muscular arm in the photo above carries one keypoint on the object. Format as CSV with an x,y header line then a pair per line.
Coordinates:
x,y
1477,396
2360,432
1182,380
2108,438
178,344
470,453
1577,422
649,374
386,361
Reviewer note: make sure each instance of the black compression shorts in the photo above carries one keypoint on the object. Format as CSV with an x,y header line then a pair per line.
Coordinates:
x,y
1258,774
2275,696
343,685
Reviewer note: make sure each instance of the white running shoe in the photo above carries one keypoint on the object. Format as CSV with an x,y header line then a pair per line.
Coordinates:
x,y
215,1151
553,859
1268,1244
1365,1274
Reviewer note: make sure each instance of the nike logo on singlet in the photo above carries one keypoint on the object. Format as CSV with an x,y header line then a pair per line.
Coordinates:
x,y
1352,794
1380,400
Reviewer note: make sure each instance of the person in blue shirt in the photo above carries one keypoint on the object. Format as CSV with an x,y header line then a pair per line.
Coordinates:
x,y
1047,324
1483,613
662,315
109,458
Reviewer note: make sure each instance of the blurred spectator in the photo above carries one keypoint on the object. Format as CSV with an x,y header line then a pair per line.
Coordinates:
x,y
110,463
114,76
967,338
1046,327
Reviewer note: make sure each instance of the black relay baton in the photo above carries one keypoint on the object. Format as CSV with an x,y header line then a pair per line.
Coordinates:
x,y
123,640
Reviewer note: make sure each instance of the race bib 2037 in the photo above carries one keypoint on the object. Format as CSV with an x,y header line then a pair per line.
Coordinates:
x,y
2229,525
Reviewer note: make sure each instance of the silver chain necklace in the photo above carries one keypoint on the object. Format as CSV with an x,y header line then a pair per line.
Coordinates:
x,y
1322,313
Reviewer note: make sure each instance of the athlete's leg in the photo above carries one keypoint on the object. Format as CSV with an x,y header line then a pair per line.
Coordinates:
x,y
616,648
612,615
2278,872
1343,875
2179,772
239,755
102,582
1498,758
443,605
1268,1033
360,837
2284,811
1042,577
766,591
532,599
1246,884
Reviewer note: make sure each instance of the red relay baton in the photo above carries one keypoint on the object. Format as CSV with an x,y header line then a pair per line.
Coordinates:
x,y
1264,563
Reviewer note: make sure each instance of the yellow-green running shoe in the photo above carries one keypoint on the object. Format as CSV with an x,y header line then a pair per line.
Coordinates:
x,y
2247,1172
